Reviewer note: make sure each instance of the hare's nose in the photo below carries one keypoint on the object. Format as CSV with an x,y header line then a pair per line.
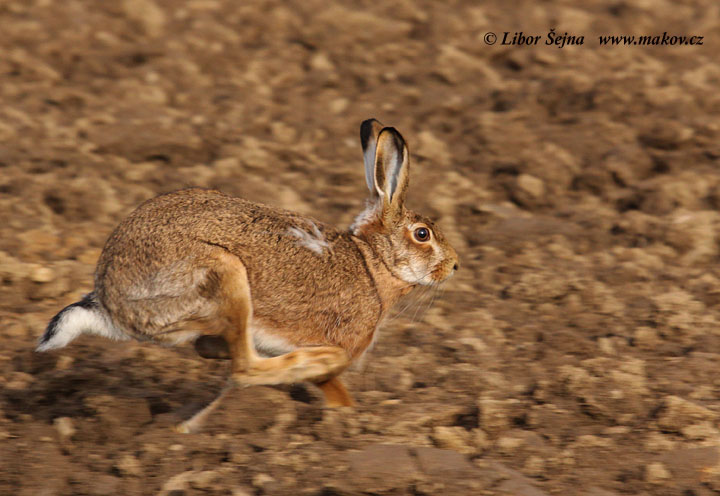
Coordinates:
x,y
456,266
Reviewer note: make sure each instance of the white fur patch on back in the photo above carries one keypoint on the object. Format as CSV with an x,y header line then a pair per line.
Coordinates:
x,y
313,241
267,344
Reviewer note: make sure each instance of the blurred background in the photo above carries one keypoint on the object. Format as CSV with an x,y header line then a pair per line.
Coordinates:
x,y
575,352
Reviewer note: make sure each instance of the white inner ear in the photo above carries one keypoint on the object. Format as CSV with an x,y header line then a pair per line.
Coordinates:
x,y
369,157
392,173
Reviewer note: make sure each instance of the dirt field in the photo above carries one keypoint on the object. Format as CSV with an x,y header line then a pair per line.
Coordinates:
x,y
575,352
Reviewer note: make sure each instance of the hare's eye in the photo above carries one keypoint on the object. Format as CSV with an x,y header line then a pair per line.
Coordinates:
x,y
422,234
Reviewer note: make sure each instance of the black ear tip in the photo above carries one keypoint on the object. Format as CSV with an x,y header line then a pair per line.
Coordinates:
x,y
397,137
366,131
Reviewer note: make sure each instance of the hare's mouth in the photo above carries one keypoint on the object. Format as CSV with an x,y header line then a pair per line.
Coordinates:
x,y
424,276
443,272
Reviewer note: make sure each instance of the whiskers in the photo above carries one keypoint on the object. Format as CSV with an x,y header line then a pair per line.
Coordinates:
x,y
413,306
417,302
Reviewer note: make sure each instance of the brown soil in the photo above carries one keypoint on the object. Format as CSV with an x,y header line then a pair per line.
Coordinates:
x,y
575,352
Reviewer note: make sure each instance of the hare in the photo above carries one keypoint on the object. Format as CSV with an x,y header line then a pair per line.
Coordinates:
x,y
285,297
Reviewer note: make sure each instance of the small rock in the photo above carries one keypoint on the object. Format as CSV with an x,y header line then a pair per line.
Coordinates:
x,y
646,337
178,482
321,62
656,473
146,13
679,413
19,381
454,438
64,362
658,442
129,465
282,132
339,105
531,185
693,234
262,480
666,135
699,431
509,444
495,415
481,439
206,479
42,275
606,346
64,427
534,466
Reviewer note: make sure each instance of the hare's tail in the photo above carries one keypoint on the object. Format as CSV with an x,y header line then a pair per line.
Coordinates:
x,y
82,317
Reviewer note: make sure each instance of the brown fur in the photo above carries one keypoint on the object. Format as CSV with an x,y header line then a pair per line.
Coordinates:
x,y
245,279
304,297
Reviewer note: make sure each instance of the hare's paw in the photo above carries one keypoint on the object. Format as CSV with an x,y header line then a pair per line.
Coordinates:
x,y
305,364
336,395
184,427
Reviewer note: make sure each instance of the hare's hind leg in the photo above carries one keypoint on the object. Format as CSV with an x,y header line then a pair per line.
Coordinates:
x,y
216,347
232,292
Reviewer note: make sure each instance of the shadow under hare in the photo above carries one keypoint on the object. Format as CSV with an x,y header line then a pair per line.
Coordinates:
x,y
284,296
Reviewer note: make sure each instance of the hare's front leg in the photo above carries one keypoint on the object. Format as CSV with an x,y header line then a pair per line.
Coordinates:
x,y
335,393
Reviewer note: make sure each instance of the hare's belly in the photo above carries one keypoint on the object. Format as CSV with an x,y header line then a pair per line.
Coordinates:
x,y
311,301
350,327
268,342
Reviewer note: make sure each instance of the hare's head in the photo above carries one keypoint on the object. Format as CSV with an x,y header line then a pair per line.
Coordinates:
x,y
411,246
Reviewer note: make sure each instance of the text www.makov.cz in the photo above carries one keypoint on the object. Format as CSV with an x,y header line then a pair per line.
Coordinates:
x,y
657,40
561,40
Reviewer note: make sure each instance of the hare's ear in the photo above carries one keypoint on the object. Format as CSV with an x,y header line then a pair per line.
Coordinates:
x,y
392,169
369,131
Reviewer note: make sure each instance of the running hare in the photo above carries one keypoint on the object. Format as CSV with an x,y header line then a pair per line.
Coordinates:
x,y
285,297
